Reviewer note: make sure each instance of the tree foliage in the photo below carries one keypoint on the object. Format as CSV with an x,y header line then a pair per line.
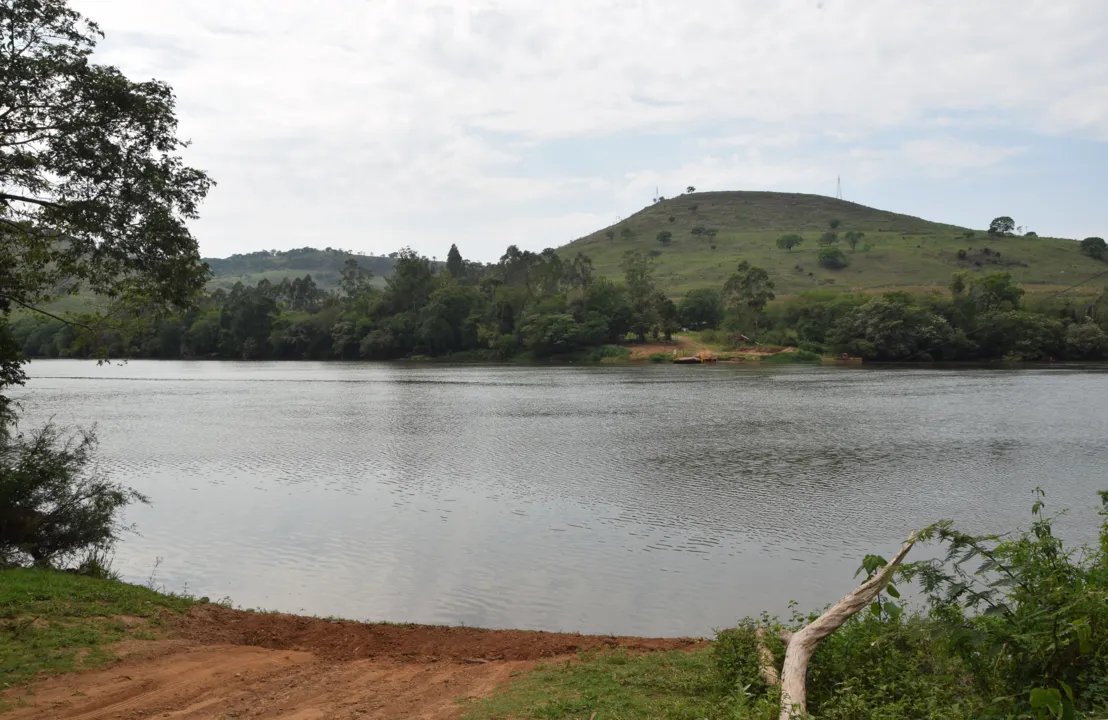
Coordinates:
x,y
701,309
54,504
1002,226
832,258
93,192
789,241
1095,247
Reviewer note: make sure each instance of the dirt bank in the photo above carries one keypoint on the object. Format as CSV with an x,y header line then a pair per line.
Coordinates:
x,y
231,664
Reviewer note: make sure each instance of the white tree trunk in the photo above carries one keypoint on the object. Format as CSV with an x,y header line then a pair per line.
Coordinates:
x,y
802,644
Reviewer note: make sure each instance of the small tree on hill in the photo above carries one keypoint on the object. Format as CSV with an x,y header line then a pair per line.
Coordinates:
x,y
690,189
834,223
665,237
1002,226
853,237
789,241
1095,247
832,258
610,234
828,238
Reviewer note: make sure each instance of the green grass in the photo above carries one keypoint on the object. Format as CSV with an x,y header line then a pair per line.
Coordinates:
x,y
615,686
906,252
53,622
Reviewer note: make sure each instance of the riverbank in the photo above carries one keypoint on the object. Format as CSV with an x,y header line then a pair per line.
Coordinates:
x,y
78,647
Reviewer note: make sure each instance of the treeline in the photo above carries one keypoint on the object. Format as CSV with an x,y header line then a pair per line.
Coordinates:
x,y
543,305
537,303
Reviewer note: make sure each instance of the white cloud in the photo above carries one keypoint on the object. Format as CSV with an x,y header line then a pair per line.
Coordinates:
x,y
401,115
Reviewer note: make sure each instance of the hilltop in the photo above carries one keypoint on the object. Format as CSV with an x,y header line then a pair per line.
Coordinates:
x,y
711,232
323,265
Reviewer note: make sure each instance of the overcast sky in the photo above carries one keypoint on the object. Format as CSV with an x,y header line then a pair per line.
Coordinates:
x,y
374,124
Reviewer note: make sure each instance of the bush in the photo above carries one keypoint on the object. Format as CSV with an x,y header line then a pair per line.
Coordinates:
x,y
1013,626
659,357
54,505
832,258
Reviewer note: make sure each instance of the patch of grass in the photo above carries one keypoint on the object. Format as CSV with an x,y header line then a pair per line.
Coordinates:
x,y
615,686
659,357
52,622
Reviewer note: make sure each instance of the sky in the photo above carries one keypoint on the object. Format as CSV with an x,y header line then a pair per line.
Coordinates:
x,y
377,124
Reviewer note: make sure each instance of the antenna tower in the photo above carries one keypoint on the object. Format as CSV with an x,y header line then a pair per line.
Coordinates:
x,y
839,187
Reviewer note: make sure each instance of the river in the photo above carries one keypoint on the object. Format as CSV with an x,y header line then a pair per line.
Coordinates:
x,y
651,500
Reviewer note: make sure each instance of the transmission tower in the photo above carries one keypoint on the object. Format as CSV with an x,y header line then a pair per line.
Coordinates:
x,y
839,187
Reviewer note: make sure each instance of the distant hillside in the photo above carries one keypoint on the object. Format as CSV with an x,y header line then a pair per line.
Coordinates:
x,y
323,265
712,232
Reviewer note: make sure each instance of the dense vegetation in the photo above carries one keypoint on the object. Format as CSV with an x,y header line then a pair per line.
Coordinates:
x,y
811,242
1012,626
541,305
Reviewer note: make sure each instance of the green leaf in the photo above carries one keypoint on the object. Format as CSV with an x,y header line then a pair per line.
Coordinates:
x,y
893,592
1048,698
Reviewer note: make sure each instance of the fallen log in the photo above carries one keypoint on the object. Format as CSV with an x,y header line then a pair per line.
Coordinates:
x,y
800,645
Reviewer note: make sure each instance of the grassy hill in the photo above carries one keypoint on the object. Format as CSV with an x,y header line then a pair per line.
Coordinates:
x,y
323,265
898,251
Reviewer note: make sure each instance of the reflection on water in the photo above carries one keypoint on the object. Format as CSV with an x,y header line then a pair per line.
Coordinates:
x,y
645,500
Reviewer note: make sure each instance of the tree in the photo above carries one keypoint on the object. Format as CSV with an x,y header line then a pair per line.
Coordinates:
x,y
454,263
626,233
789,241
1002,226
701,309
995,291
828,238
834,223
638,273
354,281
749,288
853,237
886,329
665,237
690,189
54,503
1095,247
93,193
832,258
610,234
668,316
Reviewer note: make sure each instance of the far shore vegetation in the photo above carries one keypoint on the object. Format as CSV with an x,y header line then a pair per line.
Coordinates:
x,y
541,306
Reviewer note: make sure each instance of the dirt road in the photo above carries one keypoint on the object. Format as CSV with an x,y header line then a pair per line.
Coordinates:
x,y
233,664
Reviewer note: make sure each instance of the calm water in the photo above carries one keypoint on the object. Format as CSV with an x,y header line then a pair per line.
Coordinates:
x,y
658,500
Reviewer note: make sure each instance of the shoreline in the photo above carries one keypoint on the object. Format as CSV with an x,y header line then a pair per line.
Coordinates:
x,y
139,653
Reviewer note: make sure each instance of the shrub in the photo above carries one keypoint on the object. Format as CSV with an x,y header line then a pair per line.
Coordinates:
x,y
1012,626
962,254
55,506
659,357
665,237
832,258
